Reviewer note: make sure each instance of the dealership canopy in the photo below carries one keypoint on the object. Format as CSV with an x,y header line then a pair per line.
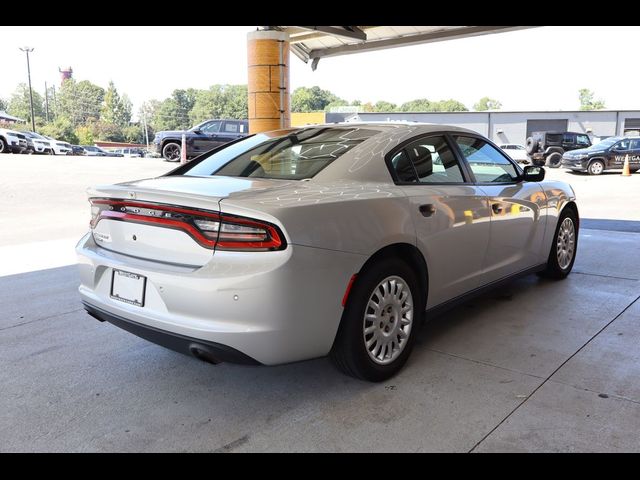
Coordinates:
x,y
314,43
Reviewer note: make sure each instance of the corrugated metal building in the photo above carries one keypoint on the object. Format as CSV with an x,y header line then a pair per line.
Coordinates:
x,y
515,127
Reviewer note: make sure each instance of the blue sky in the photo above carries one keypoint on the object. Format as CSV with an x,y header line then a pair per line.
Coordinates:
x,y
149,62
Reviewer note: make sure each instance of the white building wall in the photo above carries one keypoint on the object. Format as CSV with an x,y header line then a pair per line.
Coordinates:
x,y
511,127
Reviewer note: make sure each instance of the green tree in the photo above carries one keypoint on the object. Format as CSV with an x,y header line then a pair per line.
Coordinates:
x,y
3,105
116,109
220,101
449,105
383,106
486,103
84,134
146,113
19,104
80,101
587,101
418,105
305,99
339,102
173,112
60,129
134,134
105,131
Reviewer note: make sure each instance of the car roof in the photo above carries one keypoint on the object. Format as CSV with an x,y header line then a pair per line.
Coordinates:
x,y
417,128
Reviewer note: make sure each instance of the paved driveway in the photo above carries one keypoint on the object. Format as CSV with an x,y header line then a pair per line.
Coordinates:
x,y
538,366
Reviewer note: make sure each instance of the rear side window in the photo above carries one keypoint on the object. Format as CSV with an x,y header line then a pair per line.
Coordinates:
x,y
403,167
487,163
427,160
230,127
635,144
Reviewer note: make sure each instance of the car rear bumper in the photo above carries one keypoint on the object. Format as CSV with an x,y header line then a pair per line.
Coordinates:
x,y
273,307
202,349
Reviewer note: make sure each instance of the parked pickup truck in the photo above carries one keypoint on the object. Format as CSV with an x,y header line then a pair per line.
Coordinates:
x,y
200,139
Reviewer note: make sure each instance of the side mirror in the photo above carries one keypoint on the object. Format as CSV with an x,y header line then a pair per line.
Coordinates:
x,y
533,174
197,130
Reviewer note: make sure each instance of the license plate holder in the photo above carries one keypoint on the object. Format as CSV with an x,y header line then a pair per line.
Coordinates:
x,y
128,287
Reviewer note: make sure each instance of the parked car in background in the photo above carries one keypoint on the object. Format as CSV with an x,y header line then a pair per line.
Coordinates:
x,y
200,139
77,150
547,148
59,147
129,152
516,151
12,141
38,144
609,154
93,151
330,239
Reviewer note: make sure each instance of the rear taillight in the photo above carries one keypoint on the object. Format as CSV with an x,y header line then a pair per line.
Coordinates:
x,y
209,229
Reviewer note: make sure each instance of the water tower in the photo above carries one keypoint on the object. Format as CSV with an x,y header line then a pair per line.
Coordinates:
x,y
65,74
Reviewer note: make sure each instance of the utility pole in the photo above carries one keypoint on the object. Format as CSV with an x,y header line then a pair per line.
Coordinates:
x,y
146,131
33,120
46,100
55,101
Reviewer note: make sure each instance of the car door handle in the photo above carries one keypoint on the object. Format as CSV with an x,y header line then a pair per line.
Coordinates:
x,y
497,208
427,209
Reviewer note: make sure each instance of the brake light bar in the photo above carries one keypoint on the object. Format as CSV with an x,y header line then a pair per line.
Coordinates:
x,y
210,229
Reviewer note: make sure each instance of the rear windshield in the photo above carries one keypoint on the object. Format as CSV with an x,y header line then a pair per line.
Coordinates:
x,y
285,154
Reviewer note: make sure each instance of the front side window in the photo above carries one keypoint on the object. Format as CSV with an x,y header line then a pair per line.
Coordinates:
x,y
622,146
583,140
286,154
211,127
487,163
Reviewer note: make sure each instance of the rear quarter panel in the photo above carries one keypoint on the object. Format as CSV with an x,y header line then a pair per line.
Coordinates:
x,y
346,216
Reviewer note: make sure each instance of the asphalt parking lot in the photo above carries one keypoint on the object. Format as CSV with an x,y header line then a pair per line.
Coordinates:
x,y
539,366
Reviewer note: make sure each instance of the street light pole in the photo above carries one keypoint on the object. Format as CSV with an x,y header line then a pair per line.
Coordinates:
x,y
33,120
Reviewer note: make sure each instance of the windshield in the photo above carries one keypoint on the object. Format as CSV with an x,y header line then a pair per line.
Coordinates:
x,y
606,143
284,154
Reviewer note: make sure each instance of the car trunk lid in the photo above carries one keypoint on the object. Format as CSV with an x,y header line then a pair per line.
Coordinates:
x,y
170,219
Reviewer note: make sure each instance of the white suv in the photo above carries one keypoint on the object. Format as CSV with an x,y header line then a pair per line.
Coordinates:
x,y
40,144
59,147
12,141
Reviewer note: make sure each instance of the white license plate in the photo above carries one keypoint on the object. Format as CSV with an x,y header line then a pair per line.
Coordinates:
x,y
128,287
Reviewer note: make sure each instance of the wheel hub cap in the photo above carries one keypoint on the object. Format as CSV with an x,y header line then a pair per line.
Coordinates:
x,y
566,243
387,320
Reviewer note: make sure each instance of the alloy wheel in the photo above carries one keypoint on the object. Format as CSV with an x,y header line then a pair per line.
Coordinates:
x,y
566,243
388,319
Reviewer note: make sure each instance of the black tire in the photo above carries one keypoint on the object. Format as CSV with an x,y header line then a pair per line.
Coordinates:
x,y
4,148
553,160
349,352
29,151
51,152
596,167
531,145
553,269
171,152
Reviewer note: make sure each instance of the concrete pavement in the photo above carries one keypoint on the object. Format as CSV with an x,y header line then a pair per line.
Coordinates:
x,y
538,366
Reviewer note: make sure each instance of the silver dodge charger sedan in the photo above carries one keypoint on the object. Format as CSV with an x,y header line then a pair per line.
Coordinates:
x,y
332,239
